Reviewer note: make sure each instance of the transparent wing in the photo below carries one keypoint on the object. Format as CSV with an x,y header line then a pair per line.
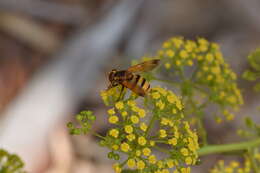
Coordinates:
x,y
144,66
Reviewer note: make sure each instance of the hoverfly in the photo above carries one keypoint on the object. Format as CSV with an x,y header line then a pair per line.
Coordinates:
x,y
134,82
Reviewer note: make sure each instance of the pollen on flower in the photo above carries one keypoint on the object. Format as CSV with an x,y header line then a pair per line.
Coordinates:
x,y
146,151
131,103
152,159
115,147
162,133
209,57
141,140
170,53
143,126
172,141
131,163
184,151
190,62
131,137
113,119
156,95
114,133
124,113
160,164
166,45
129,129
119,105
111,111
167,65
125,147
188,160
165,171
134,119
160,104
141,113
171,98
164,121
178,41
178,62
140,164
152,143
184,54
138,153
117,168
185,170
170,163
174,111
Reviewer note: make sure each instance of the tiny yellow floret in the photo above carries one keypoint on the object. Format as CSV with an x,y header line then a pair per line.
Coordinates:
x,y
143,127
185,151
146,151
111,111
140,164
134,119
119,105
130,137
113,119
167,65
141,140
125,147
131,163
129,129
114,133
152,159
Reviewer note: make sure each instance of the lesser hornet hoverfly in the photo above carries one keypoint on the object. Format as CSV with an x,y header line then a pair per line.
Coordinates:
x,y
134,82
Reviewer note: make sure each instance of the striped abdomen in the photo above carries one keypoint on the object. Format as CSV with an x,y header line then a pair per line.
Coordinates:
x,y
137,84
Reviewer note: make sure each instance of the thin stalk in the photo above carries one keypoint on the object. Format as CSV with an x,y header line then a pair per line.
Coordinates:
x,y
252,160
203,132
214,149
98,135
151,123
161,149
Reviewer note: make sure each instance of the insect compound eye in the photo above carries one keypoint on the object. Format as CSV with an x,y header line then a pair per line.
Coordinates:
x,y
111,74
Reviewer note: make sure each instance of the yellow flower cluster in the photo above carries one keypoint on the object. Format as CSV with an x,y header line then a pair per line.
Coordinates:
x,y
211,74
232,167
168,103
174,131
133,137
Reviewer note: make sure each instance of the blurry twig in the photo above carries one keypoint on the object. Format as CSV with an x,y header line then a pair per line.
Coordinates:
x,y
47,10
30,32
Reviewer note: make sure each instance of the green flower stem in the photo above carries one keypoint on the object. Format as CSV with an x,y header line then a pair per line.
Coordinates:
x,y
250,154
151,124
161,149
98,135
202,132
213,149
200,117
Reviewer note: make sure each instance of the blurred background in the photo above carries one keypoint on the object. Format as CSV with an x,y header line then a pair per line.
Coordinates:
x,y
55,55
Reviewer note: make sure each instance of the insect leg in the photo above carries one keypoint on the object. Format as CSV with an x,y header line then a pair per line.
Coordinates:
x,y
121,92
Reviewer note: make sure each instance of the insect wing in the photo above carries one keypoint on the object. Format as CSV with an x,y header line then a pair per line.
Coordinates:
x,y
144,66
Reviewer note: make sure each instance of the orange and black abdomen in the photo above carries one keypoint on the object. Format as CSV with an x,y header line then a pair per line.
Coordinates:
x,y
137,84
